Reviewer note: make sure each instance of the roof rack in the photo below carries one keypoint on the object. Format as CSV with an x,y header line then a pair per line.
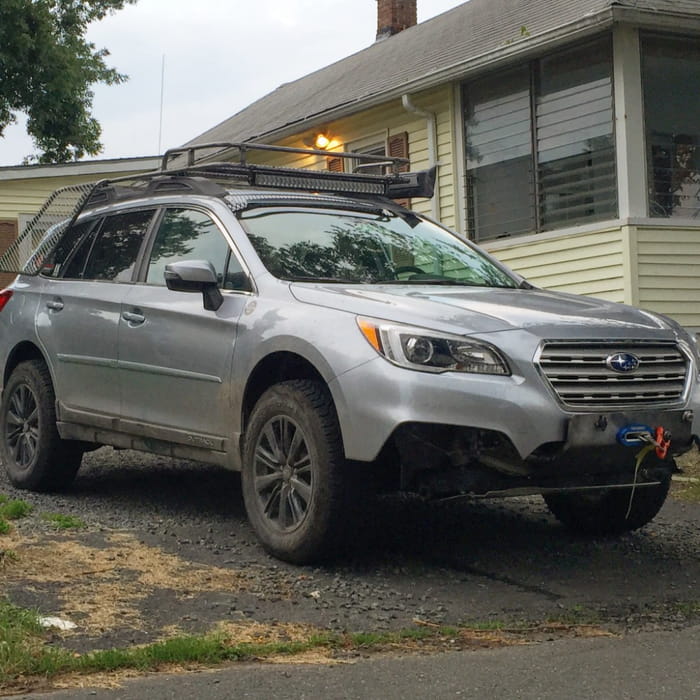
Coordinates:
x,y
229,148
205,176
394,185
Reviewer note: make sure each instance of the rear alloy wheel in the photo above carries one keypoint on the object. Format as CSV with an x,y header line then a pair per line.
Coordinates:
x,y
608,512
294,472
33,453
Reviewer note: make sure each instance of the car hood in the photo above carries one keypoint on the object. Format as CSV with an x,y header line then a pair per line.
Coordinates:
x,y
487,310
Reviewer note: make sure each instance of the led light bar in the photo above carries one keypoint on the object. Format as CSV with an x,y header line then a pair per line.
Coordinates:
x,y
322,184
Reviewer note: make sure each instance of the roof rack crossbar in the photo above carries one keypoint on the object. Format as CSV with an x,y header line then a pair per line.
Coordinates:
x,y
190,152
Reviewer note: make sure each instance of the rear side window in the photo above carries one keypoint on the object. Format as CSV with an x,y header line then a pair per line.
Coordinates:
x,y
74,264
65,252
187,234
116,246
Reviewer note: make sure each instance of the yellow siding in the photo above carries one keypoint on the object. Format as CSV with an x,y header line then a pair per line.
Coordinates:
x,y
384,121
586,263
26,196
668,261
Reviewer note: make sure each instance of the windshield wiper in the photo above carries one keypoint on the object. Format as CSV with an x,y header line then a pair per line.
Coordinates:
x,y
433,280
311,278
446,283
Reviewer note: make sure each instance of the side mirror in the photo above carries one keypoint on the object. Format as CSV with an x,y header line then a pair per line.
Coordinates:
x,y
195,276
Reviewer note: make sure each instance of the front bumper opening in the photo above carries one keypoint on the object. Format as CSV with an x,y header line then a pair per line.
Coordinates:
x,y
441,462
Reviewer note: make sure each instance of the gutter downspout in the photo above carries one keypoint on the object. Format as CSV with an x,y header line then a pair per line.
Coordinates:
x,y
432,147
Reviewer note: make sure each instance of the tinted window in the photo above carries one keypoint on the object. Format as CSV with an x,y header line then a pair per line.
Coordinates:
x,y
186,234
114,252
343,246
75,265
65,252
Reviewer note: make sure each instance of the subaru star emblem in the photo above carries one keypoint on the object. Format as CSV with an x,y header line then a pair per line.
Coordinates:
x,y
623,362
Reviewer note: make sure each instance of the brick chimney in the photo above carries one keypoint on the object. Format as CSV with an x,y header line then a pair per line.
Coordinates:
x,y
393,16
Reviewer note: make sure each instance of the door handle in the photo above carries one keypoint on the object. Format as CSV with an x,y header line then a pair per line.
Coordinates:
x,y
54,305
133,317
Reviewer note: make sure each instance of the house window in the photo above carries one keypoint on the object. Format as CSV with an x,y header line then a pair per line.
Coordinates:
x,y
671,82
540,144
366,166
500,178
395,146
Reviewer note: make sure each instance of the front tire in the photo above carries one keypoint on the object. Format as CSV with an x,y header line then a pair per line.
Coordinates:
x,y
606,512
294,472
33,453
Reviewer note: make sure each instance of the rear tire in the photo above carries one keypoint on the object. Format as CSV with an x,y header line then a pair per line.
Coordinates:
x,y
295,479
605,512
34,456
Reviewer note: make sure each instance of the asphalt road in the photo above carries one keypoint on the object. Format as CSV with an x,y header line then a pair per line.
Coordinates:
x,y
644,666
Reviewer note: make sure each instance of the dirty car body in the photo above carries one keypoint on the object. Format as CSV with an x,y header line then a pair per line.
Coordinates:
x,y
326,341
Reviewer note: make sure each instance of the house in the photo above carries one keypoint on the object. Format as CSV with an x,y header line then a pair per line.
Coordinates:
x,y
566,134
24,188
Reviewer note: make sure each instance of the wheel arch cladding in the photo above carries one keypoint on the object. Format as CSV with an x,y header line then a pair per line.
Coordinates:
x,y
275,368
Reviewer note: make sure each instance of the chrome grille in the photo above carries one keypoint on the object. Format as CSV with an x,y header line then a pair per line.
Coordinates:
x,y
579,375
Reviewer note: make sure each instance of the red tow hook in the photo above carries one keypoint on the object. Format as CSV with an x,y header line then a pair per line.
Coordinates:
x,y
663,442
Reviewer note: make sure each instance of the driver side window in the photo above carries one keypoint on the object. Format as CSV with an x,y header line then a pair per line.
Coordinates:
x,y
188,234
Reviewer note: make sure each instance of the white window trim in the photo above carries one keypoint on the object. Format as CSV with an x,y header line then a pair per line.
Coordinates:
x,y
459,160
630,139
380,137
369,142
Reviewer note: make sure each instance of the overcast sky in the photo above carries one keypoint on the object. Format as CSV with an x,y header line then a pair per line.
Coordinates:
x,y
220,55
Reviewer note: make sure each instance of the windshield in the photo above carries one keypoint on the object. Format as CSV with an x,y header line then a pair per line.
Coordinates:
x,y
343,246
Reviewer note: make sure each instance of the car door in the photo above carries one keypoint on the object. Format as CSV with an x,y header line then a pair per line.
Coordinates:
x,y
78,316
174,356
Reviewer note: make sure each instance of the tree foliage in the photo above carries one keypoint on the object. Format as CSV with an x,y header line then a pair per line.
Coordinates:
x,y
47,69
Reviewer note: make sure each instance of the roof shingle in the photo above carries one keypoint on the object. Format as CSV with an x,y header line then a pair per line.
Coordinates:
x,y
450,40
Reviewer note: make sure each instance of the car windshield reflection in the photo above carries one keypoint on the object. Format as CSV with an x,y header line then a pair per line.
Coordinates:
x,y
359,248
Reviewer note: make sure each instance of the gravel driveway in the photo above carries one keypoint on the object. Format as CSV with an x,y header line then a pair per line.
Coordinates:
x,y
167,547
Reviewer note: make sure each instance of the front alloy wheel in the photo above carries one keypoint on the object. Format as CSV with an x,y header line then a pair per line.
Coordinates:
x,y
295,479
283,474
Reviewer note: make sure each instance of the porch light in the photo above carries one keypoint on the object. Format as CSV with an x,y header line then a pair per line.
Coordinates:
x,y
325,142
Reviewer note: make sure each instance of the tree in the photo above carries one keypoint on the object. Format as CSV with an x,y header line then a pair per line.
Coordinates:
x,y
47,69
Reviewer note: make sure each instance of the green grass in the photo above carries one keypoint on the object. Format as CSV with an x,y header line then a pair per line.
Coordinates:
x,y
22,649
688,491
14,510
26,655
577,615
11,510
688,610
64,522
24,652
7,555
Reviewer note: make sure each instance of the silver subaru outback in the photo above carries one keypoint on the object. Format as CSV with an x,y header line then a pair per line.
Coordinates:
x,y
308,330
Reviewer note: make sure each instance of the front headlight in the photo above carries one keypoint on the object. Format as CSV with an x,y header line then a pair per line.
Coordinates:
x,y
428,351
